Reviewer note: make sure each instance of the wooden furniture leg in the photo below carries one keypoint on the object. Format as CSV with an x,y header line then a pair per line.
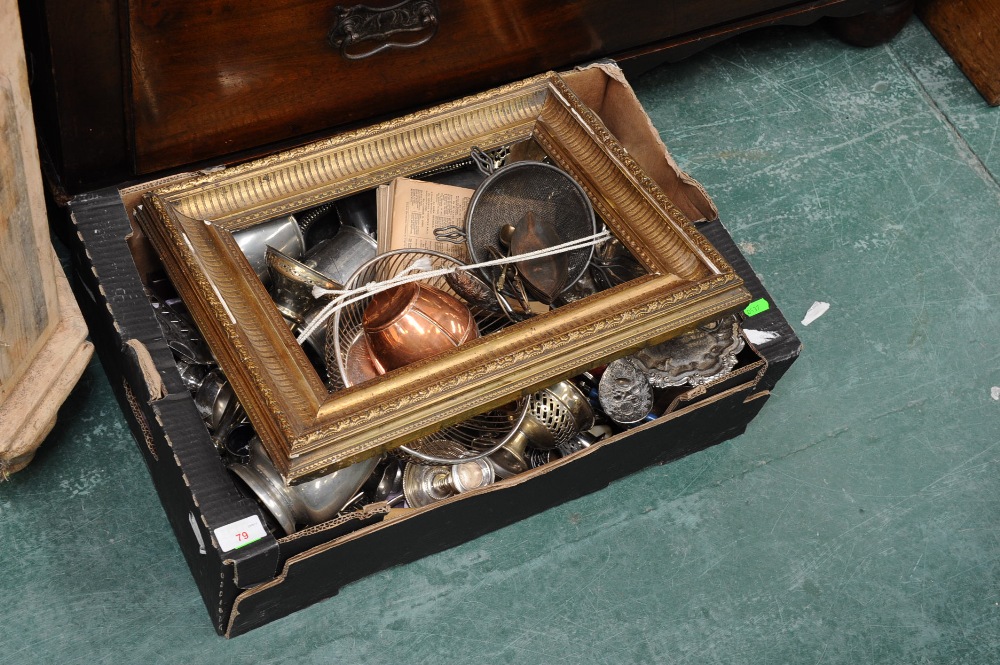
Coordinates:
x,y
872,28
969,30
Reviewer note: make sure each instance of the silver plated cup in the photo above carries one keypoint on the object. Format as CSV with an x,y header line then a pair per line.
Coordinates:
x,y
292,284
212,398
281,233
327,265
555,416
340,256
312,502
424,484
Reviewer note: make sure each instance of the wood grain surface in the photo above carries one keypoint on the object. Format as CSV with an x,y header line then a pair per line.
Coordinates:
x,y
27,286
970,31
43,347
133,87
216,76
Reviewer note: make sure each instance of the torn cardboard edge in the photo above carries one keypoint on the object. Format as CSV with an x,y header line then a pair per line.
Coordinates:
x,y
393,516
744,377
290,569
616,103
150,375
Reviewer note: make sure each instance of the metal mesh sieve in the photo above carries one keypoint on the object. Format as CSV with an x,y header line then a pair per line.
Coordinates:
x,y
473,438
514,191
346,357
346,350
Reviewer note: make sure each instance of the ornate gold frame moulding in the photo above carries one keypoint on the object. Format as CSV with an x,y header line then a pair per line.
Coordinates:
x,y
306,429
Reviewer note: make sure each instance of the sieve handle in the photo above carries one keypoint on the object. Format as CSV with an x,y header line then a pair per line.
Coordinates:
x,y
450,233
486,164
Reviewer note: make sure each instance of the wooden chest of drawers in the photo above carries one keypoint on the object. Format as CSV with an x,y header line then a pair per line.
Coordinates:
x,y
131,87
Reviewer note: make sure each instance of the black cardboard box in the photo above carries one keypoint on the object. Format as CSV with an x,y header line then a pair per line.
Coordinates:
x,y
246,587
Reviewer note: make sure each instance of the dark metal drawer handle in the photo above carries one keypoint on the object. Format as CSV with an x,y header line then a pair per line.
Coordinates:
x,y
363,31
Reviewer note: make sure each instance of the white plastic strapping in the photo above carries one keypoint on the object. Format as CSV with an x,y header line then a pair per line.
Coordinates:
x,y
416,273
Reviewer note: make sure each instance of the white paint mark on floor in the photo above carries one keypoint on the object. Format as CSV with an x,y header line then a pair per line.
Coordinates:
x,y
816,310
995,393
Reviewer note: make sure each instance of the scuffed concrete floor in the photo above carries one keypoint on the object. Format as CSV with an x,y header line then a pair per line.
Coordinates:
x,y
858,520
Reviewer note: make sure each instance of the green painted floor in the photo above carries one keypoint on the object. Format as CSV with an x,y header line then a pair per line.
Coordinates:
x,y
857,521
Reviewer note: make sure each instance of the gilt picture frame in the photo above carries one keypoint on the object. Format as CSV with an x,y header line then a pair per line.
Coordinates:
x,y
308,430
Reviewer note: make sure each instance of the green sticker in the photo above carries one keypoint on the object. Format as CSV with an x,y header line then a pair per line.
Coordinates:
x,y
248,542
757,306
